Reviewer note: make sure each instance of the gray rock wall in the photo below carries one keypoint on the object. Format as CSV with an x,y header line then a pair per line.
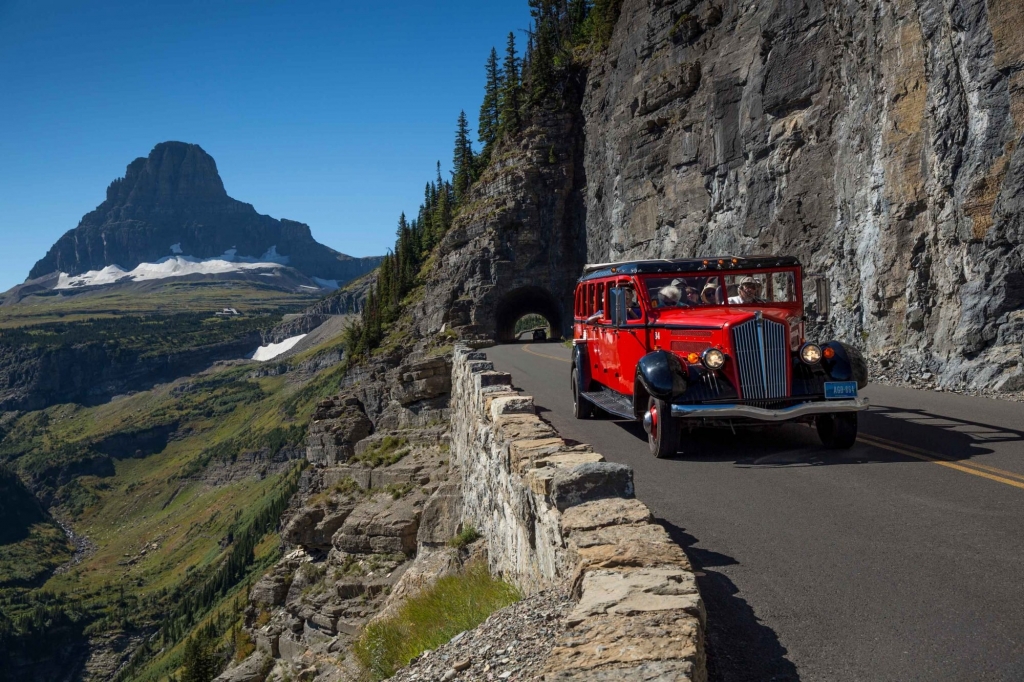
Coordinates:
x,y
555,515
878,142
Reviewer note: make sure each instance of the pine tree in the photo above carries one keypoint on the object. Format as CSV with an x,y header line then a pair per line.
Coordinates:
x,y
464,162
199,661
511,91
600,21
546,42
425,219
442,218
490,109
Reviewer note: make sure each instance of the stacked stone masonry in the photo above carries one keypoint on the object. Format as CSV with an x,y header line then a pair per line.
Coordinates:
x,y
557,515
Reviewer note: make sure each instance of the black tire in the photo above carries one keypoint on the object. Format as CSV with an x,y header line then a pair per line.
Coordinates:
x,y
837,431
581,407
663,437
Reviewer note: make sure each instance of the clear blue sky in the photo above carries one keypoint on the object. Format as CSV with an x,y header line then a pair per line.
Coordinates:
x,y
330,113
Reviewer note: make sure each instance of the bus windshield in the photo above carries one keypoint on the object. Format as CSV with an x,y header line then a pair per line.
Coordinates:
x,y
777,287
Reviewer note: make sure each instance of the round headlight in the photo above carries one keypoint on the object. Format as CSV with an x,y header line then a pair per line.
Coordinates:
x,y
713,358
810,353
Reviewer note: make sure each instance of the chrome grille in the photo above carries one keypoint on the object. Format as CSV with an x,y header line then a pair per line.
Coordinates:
x,y
761,354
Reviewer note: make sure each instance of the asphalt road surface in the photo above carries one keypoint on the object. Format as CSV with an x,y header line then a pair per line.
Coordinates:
x,y
900,559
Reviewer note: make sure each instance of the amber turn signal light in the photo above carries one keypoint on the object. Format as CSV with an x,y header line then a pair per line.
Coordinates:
x,y
693,358
828,352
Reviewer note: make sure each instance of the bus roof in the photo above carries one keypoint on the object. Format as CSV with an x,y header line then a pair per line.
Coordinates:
x,y
638,267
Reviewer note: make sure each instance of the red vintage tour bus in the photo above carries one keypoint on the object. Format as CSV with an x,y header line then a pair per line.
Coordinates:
x,y
709,341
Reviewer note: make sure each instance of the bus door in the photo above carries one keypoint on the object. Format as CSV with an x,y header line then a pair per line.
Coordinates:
x,y
628,333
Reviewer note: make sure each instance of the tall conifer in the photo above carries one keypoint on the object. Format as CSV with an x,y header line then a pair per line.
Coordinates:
x,y
548,21
463,163
511,91
490,109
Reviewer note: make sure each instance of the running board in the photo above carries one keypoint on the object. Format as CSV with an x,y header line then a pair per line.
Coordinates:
x,y
612,402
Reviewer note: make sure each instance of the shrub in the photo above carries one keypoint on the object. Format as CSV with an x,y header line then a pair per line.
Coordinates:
x,y
384,452
453,604
468,535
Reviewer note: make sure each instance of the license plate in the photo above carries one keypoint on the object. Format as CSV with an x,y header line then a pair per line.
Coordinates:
x,y
835,390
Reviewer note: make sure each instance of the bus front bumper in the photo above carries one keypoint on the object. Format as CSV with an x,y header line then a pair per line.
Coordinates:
x,y
736,411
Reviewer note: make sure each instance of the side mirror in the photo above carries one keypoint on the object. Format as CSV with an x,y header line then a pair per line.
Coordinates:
x,y
819,308
618,306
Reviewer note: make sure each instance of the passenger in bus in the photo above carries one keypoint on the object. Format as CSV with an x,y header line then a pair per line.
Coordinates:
x,y
632,305
710,294
669,296
749,292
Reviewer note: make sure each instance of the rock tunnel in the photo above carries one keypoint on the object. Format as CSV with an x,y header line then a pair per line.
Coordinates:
x,y
524,301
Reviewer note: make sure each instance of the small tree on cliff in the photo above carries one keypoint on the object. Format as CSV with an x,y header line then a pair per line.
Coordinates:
x,y
442,218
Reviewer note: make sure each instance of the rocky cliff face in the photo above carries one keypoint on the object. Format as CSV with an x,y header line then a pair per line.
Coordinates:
x,y
879,144
173,201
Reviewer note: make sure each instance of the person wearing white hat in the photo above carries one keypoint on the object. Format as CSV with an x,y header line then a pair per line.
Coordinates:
x,y
748,292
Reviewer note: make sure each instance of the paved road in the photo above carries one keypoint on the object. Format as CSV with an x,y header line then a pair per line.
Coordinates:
x,y
900,559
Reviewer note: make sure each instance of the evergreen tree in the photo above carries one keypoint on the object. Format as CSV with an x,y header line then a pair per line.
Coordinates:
x,y
464,162
425,219
199,661
546,41
600,21
511,90
442,207
490,109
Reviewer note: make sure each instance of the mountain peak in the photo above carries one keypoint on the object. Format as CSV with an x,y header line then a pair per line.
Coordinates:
x,y
173,202
173,172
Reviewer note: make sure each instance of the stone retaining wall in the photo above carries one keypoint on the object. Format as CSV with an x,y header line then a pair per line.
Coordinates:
x,y
560,515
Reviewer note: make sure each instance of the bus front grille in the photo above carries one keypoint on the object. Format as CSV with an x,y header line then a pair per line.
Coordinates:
x,y
761,355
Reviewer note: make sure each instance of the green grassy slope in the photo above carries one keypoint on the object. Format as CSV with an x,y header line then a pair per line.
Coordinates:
x,y
169,298
168,521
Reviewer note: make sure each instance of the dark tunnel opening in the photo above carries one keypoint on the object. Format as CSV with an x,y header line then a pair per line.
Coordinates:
x,y
521,302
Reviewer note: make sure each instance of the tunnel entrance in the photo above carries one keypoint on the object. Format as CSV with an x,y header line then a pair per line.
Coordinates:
x,y
524,301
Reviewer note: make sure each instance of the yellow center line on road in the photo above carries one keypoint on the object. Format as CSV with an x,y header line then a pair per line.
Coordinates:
x,y
526,349
1006,477
926,453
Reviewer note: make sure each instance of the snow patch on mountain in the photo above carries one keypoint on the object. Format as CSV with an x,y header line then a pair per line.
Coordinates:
x,y
174,266
330,284
271,351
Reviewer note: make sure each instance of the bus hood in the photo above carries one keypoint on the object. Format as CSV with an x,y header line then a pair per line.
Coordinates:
x,y
720,317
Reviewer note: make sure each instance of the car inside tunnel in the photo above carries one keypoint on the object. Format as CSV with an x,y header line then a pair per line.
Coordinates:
x,y
523,301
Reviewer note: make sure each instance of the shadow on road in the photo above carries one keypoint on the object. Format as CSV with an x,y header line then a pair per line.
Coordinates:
x,y
954,437
739,647
798,445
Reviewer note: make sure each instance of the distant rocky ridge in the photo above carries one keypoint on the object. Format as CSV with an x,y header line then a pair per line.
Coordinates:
x,y
173,203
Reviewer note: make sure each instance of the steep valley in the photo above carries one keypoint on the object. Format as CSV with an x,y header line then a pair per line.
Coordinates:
x,y
161,521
